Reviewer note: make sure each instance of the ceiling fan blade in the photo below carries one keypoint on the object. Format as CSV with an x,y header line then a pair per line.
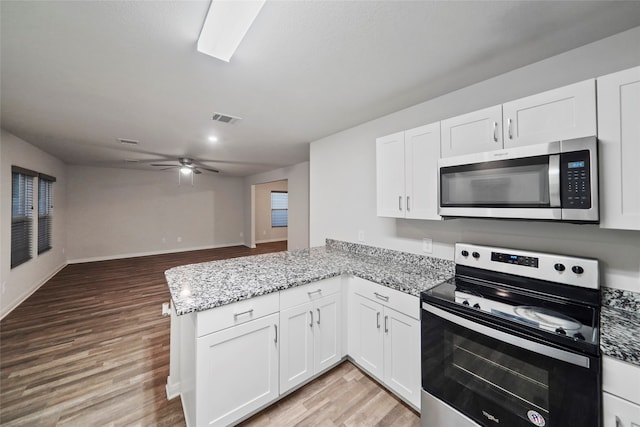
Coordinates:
x,y
196,171
166,169
162,164
210,170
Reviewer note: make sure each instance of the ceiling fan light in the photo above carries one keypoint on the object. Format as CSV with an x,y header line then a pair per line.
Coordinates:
x,y
185,170
225,26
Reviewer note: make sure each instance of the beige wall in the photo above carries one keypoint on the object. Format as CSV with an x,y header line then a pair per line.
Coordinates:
x,y
297,177
20,282
263,229
343,175
116,213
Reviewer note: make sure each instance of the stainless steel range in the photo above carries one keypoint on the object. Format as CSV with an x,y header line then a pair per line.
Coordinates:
x,y
512,340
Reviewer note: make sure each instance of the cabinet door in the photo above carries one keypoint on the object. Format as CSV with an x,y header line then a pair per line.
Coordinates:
x,y
472,132
237,371
327,332
421,154
563,113
390,175
368,335
619,412
619,150
296,346
402,355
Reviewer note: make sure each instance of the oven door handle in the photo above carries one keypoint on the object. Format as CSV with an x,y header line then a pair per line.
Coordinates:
x,y
555,353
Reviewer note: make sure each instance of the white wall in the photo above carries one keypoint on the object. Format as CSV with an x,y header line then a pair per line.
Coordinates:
x,y
20,282
343,176
116,213
298,185
264,231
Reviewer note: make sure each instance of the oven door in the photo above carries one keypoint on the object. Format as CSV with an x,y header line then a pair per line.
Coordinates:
x,y
499,379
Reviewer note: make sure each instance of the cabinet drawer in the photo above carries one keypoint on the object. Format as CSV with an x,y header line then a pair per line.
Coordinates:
x,y
311,292
237,313
618,412
621,378
399,301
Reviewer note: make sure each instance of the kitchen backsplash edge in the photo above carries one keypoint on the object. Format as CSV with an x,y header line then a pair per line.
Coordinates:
x,y
621,299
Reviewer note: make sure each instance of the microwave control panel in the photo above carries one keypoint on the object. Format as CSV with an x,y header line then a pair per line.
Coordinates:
x,y
575,179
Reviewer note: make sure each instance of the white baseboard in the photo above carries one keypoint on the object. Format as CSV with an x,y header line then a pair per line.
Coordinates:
x,y
161,252
173,389
279,239
28,294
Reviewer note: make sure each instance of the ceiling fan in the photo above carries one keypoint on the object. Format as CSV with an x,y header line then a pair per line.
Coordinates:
x,y
187,166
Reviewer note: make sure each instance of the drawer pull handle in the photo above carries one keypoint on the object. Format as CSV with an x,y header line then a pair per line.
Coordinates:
x,y
236,315
378,319
386,327
382,297
509,128
318,322
311,323
618,422
495,131
317,291
275,340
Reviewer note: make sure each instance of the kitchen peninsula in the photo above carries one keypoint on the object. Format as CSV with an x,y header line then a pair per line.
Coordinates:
x,y
247,331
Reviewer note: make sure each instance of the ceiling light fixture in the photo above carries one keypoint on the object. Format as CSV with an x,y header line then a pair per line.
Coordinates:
x,y
213,139
185,170
225,26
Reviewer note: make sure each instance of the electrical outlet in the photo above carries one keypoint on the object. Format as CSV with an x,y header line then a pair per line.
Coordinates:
x,y
427,245
164,240
241,234
179,239
360,235
3,286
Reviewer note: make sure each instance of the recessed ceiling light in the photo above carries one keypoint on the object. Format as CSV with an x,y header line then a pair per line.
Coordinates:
x,y
225,26
213,139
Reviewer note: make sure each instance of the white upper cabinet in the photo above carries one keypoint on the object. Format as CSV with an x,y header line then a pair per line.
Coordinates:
x,y
619,149
407,173
564,113
472,132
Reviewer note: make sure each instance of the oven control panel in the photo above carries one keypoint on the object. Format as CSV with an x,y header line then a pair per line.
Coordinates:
x,y
583,272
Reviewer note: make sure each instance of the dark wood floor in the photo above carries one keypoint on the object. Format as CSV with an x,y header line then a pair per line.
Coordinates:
x,y
90,347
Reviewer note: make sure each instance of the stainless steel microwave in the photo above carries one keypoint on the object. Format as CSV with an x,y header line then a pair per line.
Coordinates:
x,y
556,181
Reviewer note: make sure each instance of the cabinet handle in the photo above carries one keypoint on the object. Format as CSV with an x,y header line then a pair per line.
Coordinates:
x,y
317,291
509,129
400,203
382,297
318,322
408,207
275,340
386,327
236,315
495,131
311,323
618,422
378,319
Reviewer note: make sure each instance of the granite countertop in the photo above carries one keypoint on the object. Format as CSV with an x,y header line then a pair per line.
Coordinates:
x,y
620,325
198,287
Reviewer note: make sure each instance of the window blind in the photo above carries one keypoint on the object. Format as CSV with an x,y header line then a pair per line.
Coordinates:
x,y
45,211
21,214
279,209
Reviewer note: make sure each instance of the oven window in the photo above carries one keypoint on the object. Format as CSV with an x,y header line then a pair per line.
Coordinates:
x,y
512,383
515,183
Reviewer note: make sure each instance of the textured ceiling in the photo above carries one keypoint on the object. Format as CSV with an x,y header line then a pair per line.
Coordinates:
x,y
78,75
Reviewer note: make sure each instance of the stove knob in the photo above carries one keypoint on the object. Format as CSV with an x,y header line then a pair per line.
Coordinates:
x,y
561,331
579,336
465,302
476,255
559,267
476,305
465,253
577,269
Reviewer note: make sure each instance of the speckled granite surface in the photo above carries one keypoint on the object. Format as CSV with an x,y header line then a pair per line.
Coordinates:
x,y
198,287
620,325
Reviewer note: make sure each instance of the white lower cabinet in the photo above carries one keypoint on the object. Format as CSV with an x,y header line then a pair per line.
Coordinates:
x,y
311,335
386,342
621,397
236,371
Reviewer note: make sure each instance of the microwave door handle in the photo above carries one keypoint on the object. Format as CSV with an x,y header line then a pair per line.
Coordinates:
x,y
554,181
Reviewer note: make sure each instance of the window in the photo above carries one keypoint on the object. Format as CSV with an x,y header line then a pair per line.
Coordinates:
x,y
45,207
21,214
279,209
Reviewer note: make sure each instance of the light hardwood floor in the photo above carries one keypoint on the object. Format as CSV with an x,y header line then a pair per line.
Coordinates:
x,y
90,348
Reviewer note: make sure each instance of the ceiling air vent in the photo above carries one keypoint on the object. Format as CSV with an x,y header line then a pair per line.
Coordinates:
x,y
224,118
128,141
